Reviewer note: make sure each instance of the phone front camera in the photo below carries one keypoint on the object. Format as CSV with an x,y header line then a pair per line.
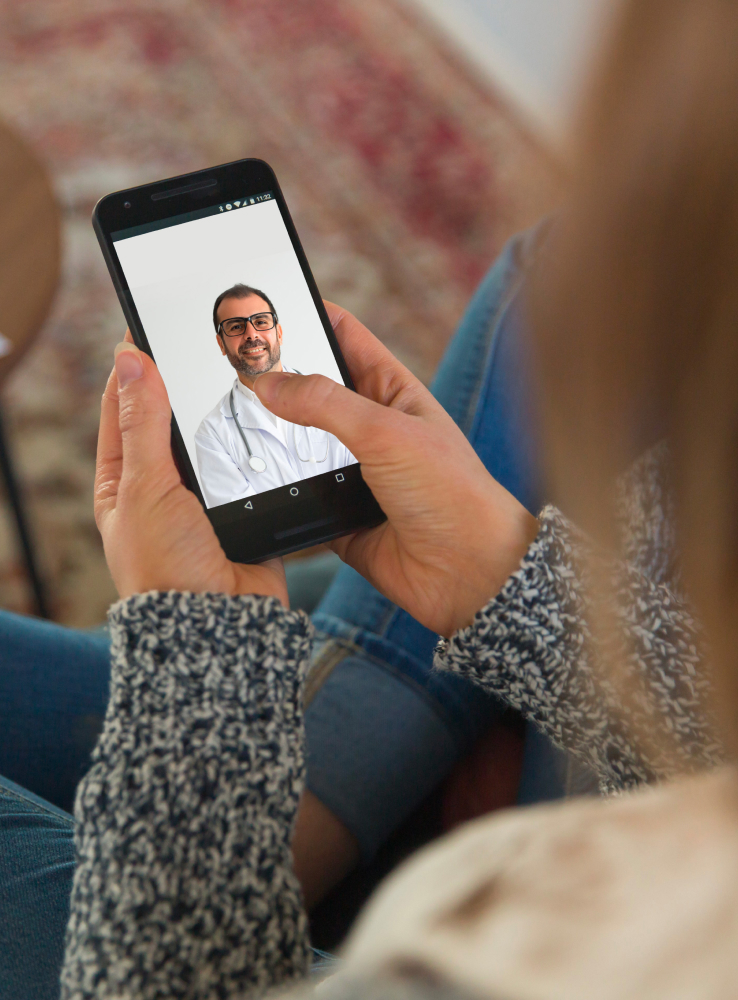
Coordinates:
x,y
126,204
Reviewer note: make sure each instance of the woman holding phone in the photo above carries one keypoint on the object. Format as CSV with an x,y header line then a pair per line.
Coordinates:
x,y
185,884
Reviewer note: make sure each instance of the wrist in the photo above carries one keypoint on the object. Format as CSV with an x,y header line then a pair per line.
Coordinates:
x,y
503,542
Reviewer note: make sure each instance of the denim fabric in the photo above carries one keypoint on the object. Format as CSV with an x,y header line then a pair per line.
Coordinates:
x,y
36,868
384,728
53,695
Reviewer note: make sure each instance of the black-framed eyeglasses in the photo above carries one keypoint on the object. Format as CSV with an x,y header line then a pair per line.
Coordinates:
x,y
236,326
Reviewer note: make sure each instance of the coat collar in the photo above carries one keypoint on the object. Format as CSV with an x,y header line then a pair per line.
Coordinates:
x,y
251,415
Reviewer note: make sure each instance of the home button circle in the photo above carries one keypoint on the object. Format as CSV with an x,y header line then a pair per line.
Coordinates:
x,y
294,491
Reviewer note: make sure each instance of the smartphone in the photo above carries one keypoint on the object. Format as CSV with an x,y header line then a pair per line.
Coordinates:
x,y
216,288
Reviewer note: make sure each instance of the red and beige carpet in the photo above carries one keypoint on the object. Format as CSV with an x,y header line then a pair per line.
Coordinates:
x,y
405,174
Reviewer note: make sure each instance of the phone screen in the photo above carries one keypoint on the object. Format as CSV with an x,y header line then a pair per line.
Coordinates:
x,y
222,298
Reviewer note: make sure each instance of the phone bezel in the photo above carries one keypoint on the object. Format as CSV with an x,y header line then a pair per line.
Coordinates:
x,y
278,522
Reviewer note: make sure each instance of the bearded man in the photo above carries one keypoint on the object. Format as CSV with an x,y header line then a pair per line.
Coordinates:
x,y
242,448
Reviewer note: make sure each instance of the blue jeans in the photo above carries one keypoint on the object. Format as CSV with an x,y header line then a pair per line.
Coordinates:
x,y
382,728
53,693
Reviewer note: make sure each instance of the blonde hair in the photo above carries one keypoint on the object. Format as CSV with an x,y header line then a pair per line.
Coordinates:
x,y
635,299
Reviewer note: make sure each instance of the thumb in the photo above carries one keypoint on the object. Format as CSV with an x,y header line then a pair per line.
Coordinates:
x,y
316,401
144,414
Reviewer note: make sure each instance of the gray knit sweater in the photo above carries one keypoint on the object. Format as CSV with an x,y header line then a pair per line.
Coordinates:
x,y
184,886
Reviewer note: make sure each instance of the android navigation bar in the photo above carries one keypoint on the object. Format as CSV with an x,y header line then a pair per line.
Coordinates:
x,y
230,206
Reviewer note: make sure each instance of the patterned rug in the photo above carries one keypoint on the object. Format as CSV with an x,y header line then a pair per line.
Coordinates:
x,y
405,175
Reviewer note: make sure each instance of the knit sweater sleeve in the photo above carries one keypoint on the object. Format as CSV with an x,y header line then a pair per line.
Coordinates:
x,y
184,885
531,646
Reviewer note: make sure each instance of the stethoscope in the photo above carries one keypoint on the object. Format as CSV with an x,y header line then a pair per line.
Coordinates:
x,y
311,458
258,464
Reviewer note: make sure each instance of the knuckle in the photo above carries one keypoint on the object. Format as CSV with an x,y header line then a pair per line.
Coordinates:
x,y
314,392
110,392
132,413
136,413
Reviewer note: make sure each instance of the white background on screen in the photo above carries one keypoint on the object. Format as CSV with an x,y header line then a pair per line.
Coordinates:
x,y
175,275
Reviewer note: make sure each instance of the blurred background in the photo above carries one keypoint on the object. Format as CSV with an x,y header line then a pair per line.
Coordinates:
x,y
411,137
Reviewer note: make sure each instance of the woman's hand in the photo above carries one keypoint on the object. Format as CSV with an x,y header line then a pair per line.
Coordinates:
x,y
453,535
155,532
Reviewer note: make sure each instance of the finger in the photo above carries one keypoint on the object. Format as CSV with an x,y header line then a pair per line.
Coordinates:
x,y
109,445
144,418
376,372
360,549
359,345
365,427
109,451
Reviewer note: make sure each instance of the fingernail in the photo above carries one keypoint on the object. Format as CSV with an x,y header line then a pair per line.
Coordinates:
x,y
267,385
128,364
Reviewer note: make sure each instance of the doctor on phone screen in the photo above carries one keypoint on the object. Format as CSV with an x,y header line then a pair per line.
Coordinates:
x,y
241,447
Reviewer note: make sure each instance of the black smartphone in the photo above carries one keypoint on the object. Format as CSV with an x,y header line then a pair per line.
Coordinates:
x,y
215,286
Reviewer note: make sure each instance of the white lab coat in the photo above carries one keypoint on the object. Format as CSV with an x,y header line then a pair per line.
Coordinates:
x,y
223,461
